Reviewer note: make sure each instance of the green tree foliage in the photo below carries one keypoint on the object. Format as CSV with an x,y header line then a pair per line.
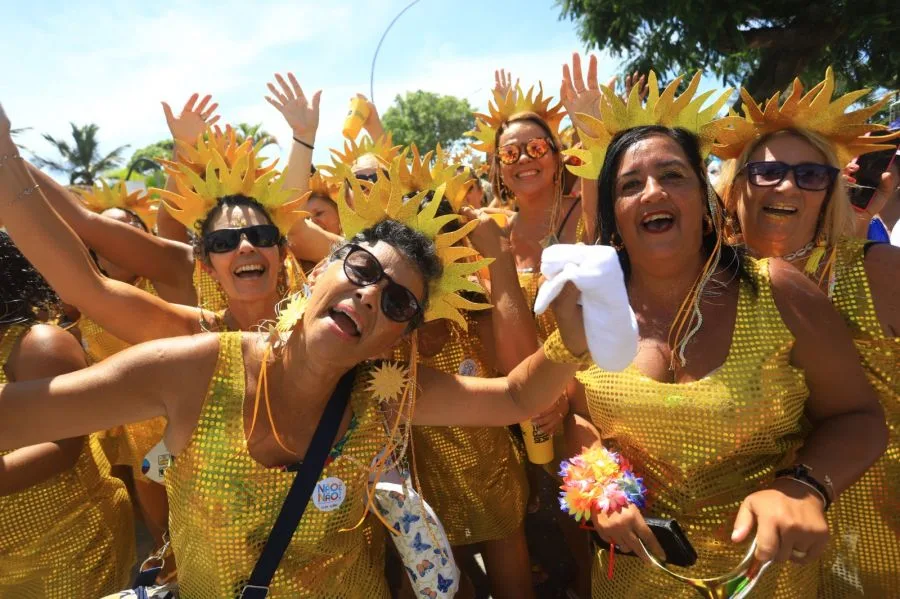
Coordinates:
x,y
428,119
256,133
762,44
82,161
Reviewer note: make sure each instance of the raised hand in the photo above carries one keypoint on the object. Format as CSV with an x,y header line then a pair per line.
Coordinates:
x,y
580,95
503,82
640,82
487,238
301,115
194,119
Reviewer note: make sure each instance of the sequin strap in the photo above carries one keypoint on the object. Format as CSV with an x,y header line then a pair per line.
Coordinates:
x,y
556,351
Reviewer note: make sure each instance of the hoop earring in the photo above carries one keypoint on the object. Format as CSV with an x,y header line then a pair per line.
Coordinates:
x,y
615,241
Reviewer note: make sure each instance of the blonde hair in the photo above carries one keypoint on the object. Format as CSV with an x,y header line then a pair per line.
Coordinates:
x,y
837,220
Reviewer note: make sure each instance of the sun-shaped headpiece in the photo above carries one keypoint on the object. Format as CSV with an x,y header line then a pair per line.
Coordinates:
x,y
388,199
505,106
238,174
813,111
616,115
103,197
324,186
426,173
383,149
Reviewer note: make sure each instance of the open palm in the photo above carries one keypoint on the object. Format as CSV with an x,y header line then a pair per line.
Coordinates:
x,y
580,95
193,120
301,114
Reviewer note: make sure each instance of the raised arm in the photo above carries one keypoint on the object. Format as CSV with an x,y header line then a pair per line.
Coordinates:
x,y
302,117
193,120
167,378
168,264
532,386
511,326
43,351
125,311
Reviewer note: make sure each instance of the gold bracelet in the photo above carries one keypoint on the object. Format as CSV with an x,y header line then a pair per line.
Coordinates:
x,y
556,351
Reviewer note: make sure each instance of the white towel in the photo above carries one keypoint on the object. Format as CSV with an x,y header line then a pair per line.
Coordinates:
x,y
609,323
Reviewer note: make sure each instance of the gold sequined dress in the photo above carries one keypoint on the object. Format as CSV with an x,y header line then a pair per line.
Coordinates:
x,y
472,477
223,503
703,446
124,445
863,557
70,536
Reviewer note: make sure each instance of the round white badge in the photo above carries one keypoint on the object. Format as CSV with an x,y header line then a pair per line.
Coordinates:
x,y
329,494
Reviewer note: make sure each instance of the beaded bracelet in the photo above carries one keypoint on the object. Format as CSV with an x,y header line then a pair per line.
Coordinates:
x,y
598,479
25,192
7,157
556,351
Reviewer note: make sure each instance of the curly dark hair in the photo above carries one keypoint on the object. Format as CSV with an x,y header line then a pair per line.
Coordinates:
x,y
412,245
23,291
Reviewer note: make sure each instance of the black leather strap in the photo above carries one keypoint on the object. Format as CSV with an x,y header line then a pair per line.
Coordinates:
x,y
308,473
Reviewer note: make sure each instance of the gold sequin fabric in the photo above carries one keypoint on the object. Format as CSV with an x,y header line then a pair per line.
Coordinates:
x,y
472,477
124,445
223,503
863,557
703,446
210,295
70,536
546,322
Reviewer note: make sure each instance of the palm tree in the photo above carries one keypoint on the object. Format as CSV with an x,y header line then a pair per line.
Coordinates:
x,y
255,133
82,162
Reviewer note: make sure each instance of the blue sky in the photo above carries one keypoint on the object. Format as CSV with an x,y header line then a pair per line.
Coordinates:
x,y
112,63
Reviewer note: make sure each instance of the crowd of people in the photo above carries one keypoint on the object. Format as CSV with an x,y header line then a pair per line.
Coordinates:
x,y
331,381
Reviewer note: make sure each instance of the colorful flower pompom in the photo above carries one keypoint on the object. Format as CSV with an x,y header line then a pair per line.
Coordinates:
x,y
598,479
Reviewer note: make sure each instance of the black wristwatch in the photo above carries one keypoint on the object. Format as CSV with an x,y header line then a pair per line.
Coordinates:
x,y
803,474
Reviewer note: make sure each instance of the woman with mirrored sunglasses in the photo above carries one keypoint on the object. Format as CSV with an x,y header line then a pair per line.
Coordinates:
x,y
792,213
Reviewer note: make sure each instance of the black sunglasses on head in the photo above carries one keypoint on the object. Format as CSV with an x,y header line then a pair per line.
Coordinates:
x,y
362,269
810,176
226,240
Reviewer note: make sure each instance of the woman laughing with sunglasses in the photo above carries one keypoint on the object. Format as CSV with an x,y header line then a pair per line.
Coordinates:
x,y
785,195
233,469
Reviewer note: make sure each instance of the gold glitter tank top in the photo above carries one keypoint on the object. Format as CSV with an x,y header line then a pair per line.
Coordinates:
x,y
223,503
863,557
703,446
472,477
71,535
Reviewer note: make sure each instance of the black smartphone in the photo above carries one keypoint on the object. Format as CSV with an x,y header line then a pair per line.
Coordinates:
x,y
868,177
674,542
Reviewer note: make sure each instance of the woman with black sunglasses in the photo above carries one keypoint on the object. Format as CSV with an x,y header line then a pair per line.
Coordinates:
x,y
228,480
785,197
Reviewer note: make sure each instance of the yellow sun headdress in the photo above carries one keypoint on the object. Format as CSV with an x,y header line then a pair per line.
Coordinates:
x,y
383,148
324,186
428,172
388,199
229,169
813,111
505,106
665,109
103,197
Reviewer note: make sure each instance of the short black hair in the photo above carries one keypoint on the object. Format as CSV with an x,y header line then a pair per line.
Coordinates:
x,y
223,203
23,291
412,245
731,258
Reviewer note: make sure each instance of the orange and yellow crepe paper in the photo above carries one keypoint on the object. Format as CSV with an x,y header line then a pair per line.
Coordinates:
x,y
103,197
